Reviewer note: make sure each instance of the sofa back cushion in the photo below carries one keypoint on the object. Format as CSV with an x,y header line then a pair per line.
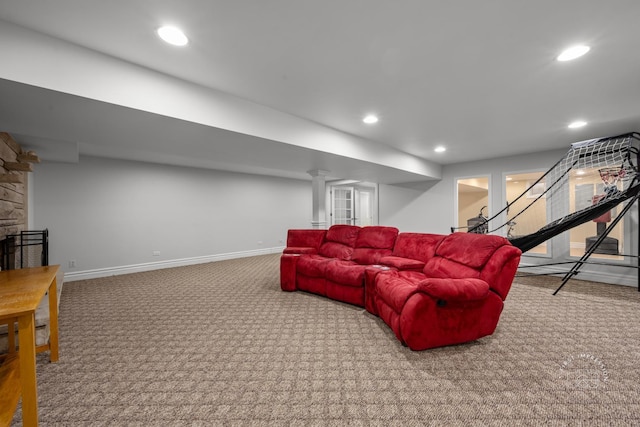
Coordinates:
x,y
339,241
374,242
463,255
418,246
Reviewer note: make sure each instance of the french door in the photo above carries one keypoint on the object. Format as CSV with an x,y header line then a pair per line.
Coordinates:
x,y
343,207
353,205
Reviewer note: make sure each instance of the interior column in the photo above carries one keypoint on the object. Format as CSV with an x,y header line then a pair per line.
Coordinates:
x,y
318,186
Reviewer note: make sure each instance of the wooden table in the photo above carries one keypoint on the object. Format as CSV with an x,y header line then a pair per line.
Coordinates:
x,y
20,294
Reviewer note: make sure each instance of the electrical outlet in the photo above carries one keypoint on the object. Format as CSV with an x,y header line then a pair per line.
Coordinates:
x,y
156,253
259,242
72,263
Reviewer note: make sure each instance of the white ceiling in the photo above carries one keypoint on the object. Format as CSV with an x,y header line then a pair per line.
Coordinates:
x,y
476,76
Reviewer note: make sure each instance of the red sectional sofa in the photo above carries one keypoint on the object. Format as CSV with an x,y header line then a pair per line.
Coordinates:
x,y
432,290
335,268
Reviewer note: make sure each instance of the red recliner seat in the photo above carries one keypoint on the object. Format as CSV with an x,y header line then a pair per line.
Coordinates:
x,y
299,241
457,297
345,279
339,242
410,253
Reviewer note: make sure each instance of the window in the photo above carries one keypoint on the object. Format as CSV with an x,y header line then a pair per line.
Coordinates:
x,y
587,188
342,206
527,213
472,196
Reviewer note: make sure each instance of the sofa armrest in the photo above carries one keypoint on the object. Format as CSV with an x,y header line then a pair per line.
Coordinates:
x,y
288,263
451,290
370,274
401,263
302,241
299,251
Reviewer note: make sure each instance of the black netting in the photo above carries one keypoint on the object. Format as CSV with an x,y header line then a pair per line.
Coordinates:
x,y
612,161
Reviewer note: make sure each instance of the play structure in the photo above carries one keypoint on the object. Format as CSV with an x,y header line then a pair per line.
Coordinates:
x,y
606,167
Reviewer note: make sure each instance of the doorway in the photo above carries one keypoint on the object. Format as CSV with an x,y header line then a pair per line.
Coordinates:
x,y
354,203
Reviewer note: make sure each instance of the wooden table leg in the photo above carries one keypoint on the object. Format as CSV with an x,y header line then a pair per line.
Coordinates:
x,y
27,354
11,336
53,321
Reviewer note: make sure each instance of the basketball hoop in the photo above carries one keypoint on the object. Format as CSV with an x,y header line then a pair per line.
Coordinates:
x,y
611,176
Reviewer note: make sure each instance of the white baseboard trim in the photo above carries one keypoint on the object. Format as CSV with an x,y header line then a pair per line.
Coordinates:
x,y
138,268
628,279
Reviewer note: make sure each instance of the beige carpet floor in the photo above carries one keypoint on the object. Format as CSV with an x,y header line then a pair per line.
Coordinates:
x,y
220,344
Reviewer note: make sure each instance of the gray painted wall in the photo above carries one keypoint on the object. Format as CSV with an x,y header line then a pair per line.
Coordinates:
x,y
109,214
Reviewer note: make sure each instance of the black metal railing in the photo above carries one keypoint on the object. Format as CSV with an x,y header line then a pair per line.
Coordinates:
x,y
26,249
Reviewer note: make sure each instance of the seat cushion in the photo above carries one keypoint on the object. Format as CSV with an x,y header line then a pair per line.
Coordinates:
x,y
395,287
402,263
345,273
312,265
335,250
369,256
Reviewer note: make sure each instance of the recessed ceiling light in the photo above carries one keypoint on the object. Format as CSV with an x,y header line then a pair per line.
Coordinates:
x,y
173,35
573,53
370,119
577,124
440,149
